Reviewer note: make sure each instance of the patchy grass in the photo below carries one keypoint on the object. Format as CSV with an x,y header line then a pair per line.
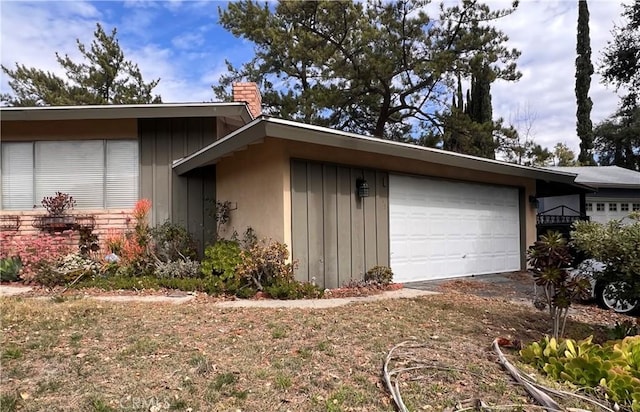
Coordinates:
x,y
100,356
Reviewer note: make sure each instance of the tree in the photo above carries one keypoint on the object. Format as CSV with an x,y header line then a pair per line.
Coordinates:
x,y
621,57
617,139
375,67
518,144
584,70
563,155
104,77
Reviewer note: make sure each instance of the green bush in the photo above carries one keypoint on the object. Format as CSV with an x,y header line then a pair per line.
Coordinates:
x,y
173,242
616,245
613,367
222,259
381,275
10,269
292,289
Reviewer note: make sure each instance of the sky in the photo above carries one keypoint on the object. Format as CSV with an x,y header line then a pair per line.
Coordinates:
x,y
182,43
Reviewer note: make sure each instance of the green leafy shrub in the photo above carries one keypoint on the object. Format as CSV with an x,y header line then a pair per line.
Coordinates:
x,y
149,282
10,269
222,259
292,289
625,328
265,263
613,367
616,245
178,269
381,275
88,241
173,242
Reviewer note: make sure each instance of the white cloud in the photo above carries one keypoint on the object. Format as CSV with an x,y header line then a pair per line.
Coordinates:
x,y
545,32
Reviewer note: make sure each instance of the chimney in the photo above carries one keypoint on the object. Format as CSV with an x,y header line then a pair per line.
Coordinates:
x,y
250,94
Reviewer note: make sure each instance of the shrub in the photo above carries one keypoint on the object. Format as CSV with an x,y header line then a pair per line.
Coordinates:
x,y
616,245
88,241
58,204
222,260
381,275
292,289
178,269
65,270
550,258
613,367
173,242
35,250
265,263
10,269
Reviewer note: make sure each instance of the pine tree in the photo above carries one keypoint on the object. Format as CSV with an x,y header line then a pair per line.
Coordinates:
x,y
103,77
584,70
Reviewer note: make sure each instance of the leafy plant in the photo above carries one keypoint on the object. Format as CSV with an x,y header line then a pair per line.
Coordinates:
x,y
292,289
222,259
35,250
173,242
88,241
550,258
616,245
381,275
613,367
625,328
265,263
58,204
65,270
10,269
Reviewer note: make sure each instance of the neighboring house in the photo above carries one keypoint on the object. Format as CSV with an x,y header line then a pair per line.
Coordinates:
x,y
616,192
342,202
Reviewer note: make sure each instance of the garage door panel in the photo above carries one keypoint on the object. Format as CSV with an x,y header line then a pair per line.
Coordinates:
x,y
444,229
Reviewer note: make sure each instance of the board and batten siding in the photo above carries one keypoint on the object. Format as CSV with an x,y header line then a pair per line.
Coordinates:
x,y
184,200
337,236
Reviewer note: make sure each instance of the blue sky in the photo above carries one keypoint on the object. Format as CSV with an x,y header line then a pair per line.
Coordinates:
x,y
182,43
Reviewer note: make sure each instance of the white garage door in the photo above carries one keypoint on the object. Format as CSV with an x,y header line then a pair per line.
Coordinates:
x,y
440,229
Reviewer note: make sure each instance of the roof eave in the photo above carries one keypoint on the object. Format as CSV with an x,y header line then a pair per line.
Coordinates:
x,y
141,111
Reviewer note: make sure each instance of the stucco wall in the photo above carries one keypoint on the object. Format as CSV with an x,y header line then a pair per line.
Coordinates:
x,y
260,195
69,129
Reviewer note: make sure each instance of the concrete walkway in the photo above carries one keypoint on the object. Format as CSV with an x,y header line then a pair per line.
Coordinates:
x,y
179,298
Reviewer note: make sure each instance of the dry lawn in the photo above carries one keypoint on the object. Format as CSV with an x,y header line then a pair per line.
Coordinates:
x,y
80,354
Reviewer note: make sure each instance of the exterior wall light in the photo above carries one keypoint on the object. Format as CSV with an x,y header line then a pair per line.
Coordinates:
x,y
362,187
534,202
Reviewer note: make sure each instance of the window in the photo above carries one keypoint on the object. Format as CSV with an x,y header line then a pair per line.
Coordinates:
x,y
636,207
600,207
613,207
589,207
97,173
624,207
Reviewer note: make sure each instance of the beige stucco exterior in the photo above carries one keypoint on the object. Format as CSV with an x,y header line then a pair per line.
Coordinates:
x,y
258,179
69,129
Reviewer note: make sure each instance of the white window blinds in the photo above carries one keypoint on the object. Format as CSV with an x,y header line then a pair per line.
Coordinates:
x,y
17,176
122,173
73,167
97,173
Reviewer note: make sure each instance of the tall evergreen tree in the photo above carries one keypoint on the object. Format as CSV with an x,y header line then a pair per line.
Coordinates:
x,y
103,77
376,67
584,70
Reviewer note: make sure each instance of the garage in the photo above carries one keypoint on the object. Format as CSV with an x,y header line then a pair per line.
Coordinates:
x,y
442,229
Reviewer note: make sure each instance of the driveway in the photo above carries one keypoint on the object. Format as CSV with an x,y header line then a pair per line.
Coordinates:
x,y
515,286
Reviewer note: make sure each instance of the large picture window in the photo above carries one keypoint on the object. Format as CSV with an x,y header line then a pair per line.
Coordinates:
x,y
97,173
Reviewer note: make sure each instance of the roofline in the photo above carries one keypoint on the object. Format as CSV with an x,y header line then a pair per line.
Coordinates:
x,y
264,126
612,185
126,111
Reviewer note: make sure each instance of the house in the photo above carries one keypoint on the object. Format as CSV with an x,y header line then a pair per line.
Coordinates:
x,y
616,193
342,202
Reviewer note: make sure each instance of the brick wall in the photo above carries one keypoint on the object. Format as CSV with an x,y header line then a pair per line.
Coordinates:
x,y
248,93
104,220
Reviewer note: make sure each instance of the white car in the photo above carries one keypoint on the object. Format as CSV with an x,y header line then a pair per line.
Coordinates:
x,y
603,291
